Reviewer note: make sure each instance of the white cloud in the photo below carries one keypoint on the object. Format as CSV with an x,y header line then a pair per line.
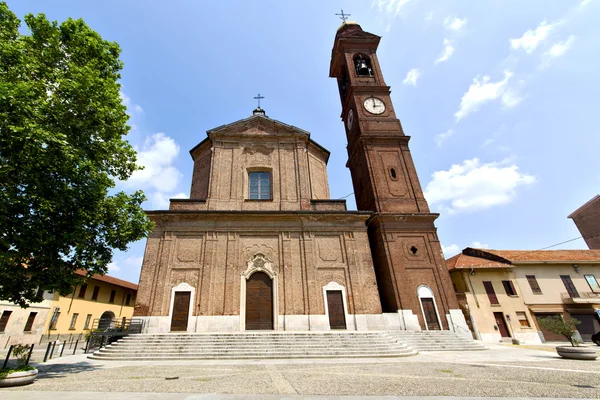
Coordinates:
x,y
532,38
482,91
160,200
510,98
113,267
450,251
474,186
156,156
127,102
584,3
454,23
479,245
447,52
134,262
560,48
391,7
441,138
429,16
412,76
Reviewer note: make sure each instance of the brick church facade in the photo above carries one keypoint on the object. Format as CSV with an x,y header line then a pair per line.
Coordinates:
x,y
260,246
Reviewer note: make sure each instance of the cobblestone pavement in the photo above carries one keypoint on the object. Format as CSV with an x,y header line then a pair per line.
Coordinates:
x,y
501,371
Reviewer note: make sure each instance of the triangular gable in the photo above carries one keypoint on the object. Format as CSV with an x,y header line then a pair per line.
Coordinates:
x,y
257,123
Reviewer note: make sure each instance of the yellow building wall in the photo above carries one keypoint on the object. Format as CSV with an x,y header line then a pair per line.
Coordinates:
x,y
548,278
73,304
482,311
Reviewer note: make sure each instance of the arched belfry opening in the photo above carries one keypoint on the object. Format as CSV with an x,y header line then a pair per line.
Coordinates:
x,y
362,65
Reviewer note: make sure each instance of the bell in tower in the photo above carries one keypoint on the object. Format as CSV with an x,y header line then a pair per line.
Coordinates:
x,y
362,66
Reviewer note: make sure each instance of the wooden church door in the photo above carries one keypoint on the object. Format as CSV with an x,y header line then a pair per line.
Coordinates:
x,y
259,302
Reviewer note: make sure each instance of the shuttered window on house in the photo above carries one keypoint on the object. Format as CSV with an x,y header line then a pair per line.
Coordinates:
x,y
522,317
128,299
573,293
82,290
113,293
533,284
30,320
73,321
88,318
489,289
509,287
96,291
4,320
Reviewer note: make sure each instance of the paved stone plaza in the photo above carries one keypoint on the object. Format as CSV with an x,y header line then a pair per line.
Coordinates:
x,y
502,371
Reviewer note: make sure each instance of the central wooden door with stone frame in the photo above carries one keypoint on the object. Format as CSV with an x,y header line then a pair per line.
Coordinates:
x,y
335,308
259,302
181,311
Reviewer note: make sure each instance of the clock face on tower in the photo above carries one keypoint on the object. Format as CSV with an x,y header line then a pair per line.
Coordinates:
x,y
374,105
350,119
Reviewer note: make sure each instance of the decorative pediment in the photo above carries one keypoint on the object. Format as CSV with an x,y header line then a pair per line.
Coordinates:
x,y
256,124
259,263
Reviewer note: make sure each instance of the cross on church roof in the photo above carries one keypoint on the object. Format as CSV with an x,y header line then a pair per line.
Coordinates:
x,y
258,98
343,16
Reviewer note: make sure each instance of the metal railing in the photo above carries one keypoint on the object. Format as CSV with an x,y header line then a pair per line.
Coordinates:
x,y
106,331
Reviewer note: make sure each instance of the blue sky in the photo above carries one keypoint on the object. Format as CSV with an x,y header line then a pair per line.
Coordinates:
x,y
500,98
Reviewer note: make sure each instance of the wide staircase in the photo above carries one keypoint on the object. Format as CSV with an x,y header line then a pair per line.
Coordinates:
x,y
254,346
436,341
265,345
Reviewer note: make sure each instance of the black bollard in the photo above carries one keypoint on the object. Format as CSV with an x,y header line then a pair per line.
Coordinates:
x,y
63,349
75,349
47,351
29,355
52,351
7,356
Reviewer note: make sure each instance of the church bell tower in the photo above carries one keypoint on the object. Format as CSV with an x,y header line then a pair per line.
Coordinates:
x,y
409,265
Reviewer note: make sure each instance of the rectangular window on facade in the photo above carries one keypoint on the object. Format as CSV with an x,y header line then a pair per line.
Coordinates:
x,y
509,287
128,299
40,292
73,321
88,318
591,280
29,323
4,320
569,286
522,317
489,289
533,284
54,320
96,291
82,290
259,186
113,293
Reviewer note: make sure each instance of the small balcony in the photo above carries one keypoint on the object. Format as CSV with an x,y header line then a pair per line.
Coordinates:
x,y
584,298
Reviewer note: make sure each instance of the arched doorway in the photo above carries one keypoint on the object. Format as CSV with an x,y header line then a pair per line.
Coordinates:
x,y
259,302
107,320
429,309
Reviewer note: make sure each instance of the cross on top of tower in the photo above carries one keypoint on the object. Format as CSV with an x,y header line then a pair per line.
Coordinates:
x,y
258,98
343,16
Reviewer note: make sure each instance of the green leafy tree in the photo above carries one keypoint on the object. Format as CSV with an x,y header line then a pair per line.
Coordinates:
x,y
556,324
62,125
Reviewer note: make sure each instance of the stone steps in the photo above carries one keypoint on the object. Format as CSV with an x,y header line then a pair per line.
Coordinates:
x,y
266,345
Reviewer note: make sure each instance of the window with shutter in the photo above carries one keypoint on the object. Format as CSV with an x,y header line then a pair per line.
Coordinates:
x,y
73,321
29,323
489,289
533,284
569,286
88,318
113,293
523,320
509,287
96,291
4,320
82,291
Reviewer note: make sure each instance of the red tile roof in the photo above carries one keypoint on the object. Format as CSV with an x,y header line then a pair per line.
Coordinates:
x,y
110,279
487,258
462,261
520,256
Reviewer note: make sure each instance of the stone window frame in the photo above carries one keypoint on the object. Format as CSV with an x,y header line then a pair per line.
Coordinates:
x,y
183,287
421,294
334,286
263,265
250,170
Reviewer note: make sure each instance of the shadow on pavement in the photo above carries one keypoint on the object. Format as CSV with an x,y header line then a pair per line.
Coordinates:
x,y
52,371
